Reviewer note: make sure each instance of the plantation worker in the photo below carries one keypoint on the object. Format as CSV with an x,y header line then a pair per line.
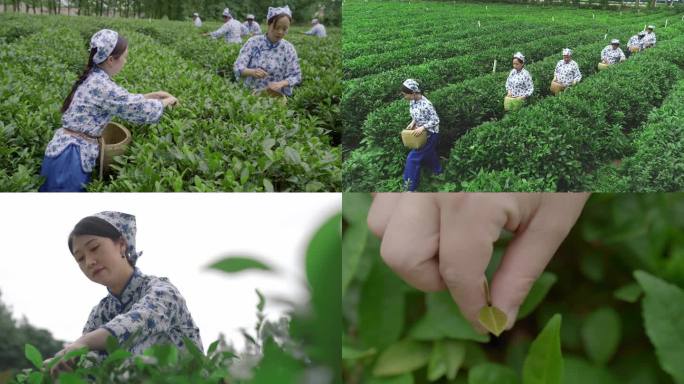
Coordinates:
x,y
423,119
519,84
317,29
250,27
92,103
269,61
438,241
142,309
635,43
567,71
650,37
612,53
231,29
196,20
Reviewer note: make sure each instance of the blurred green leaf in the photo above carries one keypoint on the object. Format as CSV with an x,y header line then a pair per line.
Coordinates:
x,y
629,293
491,373
601,333
443,319
402,379
664,319
544,362
437,364
591,266
234,264
276,366
381,307
353,245
454,355
355,207
350,353
70,378
33,355
537,293
402,357
580,371
35,377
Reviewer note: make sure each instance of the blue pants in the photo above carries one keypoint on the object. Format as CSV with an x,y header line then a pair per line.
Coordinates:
x,y
425,156
64,172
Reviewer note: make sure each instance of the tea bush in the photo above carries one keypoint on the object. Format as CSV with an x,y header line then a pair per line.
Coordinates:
x,y
219,138
607,309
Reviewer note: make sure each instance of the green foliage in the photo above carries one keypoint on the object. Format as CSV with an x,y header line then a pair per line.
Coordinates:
x,y
233,264
555,143
614,328
302,344
220,137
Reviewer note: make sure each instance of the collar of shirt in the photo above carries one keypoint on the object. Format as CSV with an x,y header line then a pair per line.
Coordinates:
x,y
268,42
101,72
130,289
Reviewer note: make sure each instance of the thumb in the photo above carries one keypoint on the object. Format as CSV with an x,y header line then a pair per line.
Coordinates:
x,y
532,248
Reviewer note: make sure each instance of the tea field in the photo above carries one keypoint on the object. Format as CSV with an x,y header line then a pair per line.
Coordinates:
x,y
219,138
618,130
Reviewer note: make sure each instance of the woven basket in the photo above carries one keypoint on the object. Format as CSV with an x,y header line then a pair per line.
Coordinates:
x,y
114,141
411,141
602,66
556,88
512,103
266,92
634,49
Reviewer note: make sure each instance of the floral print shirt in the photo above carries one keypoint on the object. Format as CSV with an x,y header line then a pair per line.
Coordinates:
x,y
649,39
519,83
231,30
279,60
611,55
317,30
424,114
635,42
96,101
567,73
149,305
254,29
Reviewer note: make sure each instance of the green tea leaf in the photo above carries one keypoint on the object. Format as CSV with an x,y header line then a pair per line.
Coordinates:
x,y
350,353
406,378
664,320
493,319
355,207
437,365
402,357
491,373
580,371
601,334
537,293
629,293
234,264
276,366
381,307
70,378
544,362
33,355
454,355
353,244
442,320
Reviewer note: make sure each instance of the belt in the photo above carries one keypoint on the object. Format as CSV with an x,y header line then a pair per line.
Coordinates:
x,y
82,135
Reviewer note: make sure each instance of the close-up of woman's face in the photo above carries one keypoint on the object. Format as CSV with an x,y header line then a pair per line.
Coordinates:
x,y
517,64
116,64
279,29
99,258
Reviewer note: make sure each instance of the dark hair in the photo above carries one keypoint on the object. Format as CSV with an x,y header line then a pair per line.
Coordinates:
x,y
119,49
94,226
274,20
405,89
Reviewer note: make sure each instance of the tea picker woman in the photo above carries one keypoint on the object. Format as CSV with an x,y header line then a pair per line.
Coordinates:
x,y
268,62
612,54
519,84
317,29
231,29
567,72
635,43
650,37
250,27
92,103
146,309
424,120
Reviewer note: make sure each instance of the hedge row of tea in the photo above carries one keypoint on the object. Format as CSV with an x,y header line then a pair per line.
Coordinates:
x,y
220,137
468,94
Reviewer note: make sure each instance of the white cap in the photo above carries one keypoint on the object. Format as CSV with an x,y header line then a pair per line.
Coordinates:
x,y
567,51
519,56
226,12
250,16
196,14
615,41
314,21
651,27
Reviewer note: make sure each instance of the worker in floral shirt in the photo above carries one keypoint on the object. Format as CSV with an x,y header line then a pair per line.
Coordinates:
x,y
567,71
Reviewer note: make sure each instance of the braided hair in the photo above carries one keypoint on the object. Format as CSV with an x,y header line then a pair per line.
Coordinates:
x,y
119,49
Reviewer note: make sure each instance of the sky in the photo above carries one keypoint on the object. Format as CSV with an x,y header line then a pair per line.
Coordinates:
x,y
180,235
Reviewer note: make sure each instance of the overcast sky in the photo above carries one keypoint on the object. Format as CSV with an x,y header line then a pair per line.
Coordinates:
x,y
180,234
